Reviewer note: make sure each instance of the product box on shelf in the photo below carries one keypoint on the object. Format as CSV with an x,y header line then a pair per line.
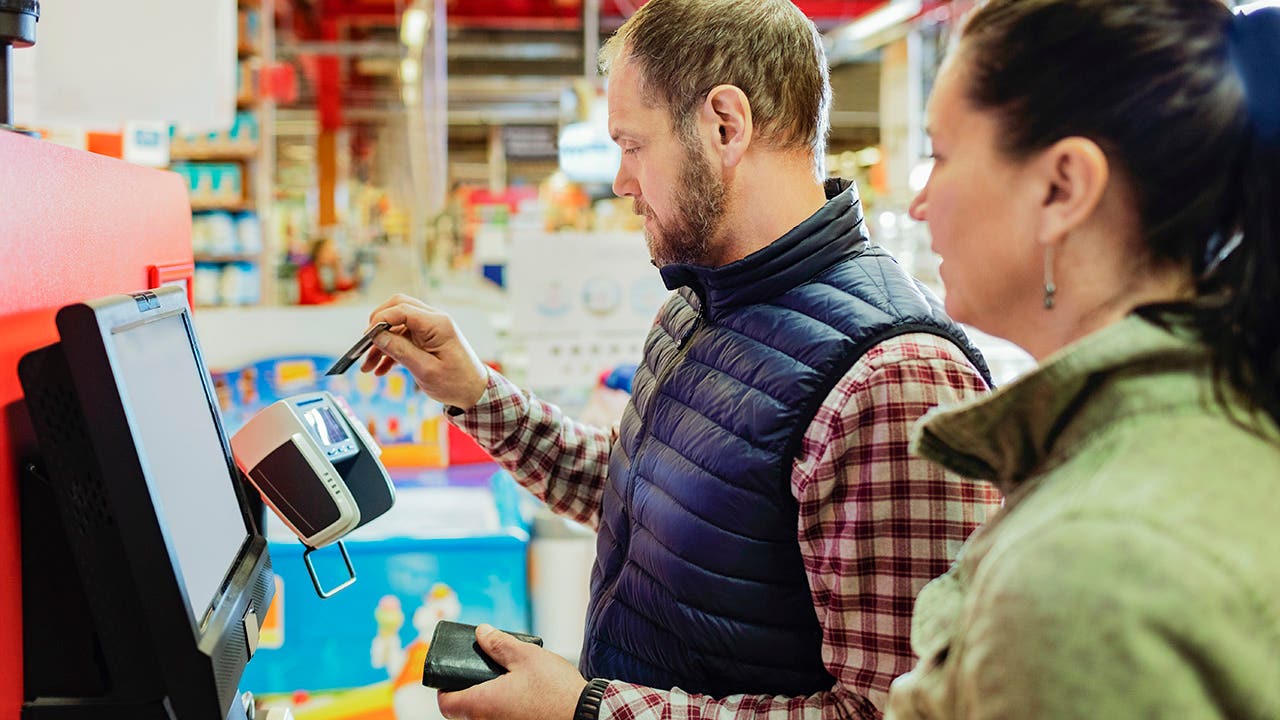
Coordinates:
x,y
247,81
218,233
239,284
227,283
241,139
248,233
249,25
227,185
207,284
213,233
212,183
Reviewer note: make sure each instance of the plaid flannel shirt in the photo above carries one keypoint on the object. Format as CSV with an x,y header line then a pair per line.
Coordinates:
x,y
875,523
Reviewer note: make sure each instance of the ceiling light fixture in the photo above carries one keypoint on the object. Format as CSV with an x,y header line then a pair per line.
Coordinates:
x,y
879,20
410,70
413,27
871,30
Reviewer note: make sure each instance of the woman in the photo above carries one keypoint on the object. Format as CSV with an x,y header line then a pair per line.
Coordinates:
x,y
1106,194
322,279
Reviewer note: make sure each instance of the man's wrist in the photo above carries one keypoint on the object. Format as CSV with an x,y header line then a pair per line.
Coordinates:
x,y
590,700
456,411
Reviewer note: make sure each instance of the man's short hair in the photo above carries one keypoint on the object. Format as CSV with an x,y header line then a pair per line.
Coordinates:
x,y
766,48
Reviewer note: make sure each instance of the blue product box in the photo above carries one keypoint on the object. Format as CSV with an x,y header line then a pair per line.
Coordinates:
x,y
454,547
207,278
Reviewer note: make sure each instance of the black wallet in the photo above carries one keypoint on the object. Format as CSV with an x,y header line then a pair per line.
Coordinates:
x,y
455,660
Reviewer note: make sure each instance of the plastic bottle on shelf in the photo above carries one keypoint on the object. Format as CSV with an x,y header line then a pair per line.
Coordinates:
x,y
248,232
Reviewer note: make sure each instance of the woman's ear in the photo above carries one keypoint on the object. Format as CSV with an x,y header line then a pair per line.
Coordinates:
x,y
1074,173
727,113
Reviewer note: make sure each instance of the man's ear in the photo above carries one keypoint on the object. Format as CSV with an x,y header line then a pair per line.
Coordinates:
x,y
1073,173
727,113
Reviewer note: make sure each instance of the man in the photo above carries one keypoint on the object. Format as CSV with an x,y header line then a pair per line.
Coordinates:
x,y
762,528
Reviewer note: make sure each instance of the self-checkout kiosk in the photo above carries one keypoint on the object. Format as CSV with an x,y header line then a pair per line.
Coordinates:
x,y
138,472
136,574
159,608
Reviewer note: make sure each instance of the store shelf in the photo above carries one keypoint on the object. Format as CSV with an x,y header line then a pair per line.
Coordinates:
x,y
235,207
200,258
229,174
214,155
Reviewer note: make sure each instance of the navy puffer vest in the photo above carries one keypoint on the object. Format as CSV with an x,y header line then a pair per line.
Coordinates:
x,y
698,581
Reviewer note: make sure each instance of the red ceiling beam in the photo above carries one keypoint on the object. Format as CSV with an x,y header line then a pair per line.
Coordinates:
x,y
509,12
329,73
570,9
523,15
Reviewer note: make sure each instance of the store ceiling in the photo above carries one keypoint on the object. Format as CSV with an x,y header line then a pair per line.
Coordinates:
x,y
509,61
513,49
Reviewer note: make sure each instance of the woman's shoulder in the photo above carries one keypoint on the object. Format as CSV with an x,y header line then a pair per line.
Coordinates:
x,y
1115,607
1161,503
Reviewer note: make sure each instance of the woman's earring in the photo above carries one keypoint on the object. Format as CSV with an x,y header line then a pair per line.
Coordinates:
x,y
1050,290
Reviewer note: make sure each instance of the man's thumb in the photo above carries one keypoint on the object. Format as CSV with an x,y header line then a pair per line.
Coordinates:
x,y
498,645
395,346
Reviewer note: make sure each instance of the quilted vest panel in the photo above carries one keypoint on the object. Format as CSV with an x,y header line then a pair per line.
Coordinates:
x,y
698,581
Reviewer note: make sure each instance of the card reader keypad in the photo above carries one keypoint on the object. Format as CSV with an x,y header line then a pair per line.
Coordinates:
x,y
341,451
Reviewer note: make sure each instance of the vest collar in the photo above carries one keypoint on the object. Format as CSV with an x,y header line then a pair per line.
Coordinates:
x,y
835,232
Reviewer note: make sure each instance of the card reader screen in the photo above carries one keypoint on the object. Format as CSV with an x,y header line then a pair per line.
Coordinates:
x,y
325,426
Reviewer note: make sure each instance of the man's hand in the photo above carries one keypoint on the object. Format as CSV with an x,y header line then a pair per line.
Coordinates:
x,y
427,343
538,685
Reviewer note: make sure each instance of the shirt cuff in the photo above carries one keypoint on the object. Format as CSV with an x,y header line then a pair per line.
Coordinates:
x,y
489,403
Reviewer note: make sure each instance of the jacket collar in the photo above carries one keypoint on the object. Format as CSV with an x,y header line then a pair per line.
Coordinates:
x,y
1032,424
835,232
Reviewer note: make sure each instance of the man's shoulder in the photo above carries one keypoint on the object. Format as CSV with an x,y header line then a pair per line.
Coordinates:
x,y
916,346
916,357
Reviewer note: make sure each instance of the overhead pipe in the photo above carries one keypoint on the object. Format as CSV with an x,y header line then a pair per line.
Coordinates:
x,y
590,37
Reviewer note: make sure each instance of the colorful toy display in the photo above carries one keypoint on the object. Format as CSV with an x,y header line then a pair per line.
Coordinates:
x,y
454,547
405,422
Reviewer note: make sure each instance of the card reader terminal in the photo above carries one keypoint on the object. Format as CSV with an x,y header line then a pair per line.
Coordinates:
x,y
317,468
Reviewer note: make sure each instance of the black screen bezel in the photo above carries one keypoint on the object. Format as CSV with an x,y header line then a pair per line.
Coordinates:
x,y
195,656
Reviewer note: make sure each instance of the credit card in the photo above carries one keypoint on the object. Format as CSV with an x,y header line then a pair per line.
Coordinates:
x,y
351,356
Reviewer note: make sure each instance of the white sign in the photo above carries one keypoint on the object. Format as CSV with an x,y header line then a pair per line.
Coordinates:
x,y
588,154
577,319
102,64
147,143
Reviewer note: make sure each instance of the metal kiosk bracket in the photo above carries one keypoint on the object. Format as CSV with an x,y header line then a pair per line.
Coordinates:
x,y
315,579
17,29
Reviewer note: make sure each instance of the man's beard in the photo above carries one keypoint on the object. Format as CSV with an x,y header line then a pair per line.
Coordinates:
x,y
698,209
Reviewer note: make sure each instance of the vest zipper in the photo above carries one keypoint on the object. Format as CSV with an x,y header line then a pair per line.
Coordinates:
x,y
683,345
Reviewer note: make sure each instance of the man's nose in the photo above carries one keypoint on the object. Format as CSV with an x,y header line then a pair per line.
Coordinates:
x,y
624,184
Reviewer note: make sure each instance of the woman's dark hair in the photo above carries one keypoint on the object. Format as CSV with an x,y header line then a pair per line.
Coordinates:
x,y
1158,85
317,245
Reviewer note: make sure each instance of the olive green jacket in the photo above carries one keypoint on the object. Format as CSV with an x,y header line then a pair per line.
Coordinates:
x,y
1134,571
